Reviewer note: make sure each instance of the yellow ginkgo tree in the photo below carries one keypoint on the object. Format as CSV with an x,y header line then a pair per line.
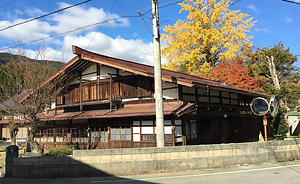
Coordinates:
x,y
211,33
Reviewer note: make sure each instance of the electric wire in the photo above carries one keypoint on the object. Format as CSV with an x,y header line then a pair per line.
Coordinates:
x,y
145,23
42,16
101,24
291,2
127,15
70,31
8,4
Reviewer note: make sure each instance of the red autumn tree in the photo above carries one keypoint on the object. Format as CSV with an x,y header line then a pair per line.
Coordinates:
x,y
236,74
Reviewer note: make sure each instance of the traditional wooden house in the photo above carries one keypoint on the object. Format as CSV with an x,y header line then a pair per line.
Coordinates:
x,y
109,103
5,118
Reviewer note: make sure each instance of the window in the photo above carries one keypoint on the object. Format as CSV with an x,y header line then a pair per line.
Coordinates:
x,y
104,134
147,131
168,138
148,137
44,135
136,130
190,90
67,135
168,133
95,134
59,135
121,133
49,135
99,134
82,136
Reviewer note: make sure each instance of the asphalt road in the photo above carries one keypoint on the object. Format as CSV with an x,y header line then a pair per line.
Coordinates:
x,y
289,174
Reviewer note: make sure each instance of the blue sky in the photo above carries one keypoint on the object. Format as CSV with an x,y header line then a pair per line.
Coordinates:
x,y
127,38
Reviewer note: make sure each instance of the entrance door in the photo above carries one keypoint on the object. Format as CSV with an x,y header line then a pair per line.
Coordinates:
x,y
191,129
204,131
99,137
198,132
233,129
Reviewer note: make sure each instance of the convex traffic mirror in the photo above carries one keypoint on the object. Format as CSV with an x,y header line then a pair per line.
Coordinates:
x,y
261,106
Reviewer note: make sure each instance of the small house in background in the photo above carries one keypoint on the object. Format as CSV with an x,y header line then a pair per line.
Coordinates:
x,y
109,103
294,123
5,118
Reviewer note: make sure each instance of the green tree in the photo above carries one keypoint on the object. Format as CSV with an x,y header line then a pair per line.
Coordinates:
x,y
211,33
281,78
279,126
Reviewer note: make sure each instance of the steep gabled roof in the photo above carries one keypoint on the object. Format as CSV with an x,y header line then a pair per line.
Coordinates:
x,y
86,58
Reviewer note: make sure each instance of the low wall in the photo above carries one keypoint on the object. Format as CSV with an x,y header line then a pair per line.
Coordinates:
x,y
118,162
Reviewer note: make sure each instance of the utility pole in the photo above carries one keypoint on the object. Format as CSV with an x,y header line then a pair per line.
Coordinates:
x,y
159,108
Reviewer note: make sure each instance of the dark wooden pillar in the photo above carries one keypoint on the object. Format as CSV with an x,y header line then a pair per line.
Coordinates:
x,y
98,82
110,92
80,92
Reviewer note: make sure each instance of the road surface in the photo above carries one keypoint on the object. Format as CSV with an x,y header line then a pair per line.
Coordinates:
x,y
289,174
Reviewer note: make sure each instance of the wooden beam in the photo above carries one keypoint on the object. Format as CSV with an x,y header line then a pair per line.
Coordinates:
x,y
98,81
80,91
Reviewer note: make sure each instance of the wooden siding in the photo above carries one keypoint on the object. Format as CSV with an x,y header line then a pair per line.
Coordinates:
x,y
126,87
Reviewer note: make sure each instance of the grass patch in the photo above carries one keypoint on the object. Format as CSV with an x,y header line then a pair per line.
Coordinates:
x,y
3,148
59,151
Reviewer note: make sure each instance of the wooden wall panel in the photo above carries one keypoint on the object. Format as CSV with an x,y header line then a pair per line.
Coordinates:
x,y
93,92
116,88
104,88
120,144
59,100
75,95
86,93
126,87
68,99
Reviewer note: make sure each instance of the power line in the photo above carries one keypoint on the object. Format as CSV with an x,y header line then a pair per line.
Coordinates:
x,y
43,15
233,2
8,4
291,2
127,15
70,31
101,24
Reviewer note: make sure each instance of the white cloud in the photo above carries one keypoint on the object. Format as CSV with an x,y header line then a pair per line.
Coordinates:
x,y
80,17
27,32
266,30
289,19
253,8
132,50
69,20
18,12
35,12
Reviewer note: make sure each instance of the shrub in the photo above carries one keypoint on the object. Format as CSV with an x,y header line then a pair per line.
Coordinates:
x,y
60,151
2,148
279,126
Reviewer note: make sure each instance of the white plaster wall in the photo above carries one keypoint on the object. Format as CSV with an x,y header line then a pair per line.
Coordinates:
x,y
293,123
104,70
170,93
90,69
